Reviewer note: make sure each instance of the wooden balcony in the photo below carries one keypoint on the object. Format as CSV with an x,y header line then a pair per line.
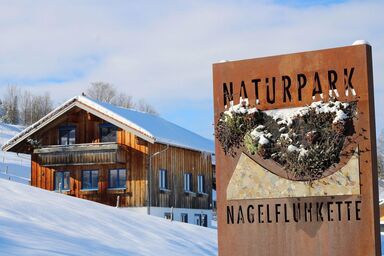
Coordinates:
x,y
81,154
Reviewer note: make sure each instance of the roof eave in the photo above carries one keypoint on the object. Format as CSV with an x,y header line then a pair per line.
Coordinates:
x,y
75,101
184,147
39,124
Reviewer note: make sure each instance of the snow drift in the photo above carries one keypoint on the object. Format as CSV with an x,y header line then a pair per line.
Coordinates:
x,y
39,222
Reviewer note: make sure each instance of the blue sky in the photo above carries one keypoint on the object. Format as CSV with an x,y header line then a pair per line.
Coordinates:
x,y
162,51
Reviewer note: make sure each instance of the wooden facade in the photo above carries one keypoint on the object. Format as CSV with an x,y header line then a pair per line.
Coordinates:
x,y
129,152
178,161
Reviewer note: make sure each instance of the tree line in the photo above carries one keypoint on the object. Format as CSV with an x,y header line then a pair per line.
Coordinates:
x,y
21,106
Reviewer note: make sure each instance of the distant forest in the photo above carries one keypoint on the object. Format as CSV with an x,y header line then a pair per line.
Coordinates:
x,y
23,107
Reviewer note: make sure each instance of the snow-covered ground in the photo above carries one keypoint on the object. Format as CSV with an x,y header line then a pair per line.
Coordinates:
x,y
39,222
16,167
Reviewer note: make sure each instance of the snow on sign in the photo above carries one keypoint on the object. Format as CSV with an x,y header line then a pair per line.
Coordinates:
x,y
296,154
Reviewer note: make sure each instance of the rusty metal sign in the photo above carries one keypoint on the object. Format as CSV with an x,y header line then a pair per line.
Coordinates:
x,y
296,154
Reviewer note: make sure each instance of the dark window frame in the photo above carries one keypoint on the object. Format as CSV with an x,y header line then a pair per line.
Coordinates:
x,y
168,215
107,126
62,178
204,220
201,219
67,129
197,219
163,179
201,184
118,181
184,217
188,184
90,173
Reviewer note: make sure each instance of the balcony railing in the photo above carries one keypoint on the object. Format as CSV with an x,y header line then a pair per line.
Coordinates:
x,y
81,154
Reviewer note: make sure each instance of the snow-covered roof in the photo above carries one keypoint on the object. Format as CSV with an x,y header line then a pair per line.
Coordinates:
x,y
149,127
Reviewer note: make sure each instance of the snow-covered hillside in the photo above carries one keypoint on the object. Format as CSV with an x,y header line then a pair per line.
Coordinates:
x,y
16,167
7,131
39,222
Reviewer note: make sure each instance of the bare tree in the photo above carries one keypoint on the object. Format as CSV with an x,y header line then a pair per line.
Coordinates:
x,y
107,92
123,100
34,107
41,105
10,105
143,106
26,108
101,91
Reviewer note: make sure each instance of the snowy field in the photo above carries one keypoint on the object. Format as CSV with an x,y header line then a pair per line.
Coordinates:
x,y
39,222
16,167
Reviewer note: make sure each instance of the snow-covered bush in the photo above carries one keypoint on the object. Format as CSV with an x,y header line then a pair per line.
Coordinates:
x,y
304,141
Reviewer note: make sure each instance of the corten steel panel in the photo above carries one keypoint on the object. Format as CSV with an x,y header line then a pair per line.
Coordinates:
x,y
357,236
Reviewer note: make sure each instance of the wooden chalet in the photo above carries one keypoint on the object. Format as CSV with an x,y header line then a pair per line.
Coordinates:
x,y
113,155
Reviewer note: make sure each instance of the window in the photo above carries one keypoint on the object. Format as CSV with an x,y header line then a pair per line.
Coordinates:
x,y
117,178
67,135
200,183
198,219
62,180
184,217
163,179
108,133
168,216
90,179
201,220
187,182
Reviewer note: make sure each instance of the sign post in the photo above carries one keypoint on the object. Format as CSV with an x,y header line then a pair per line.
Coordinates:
x,y
296,154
